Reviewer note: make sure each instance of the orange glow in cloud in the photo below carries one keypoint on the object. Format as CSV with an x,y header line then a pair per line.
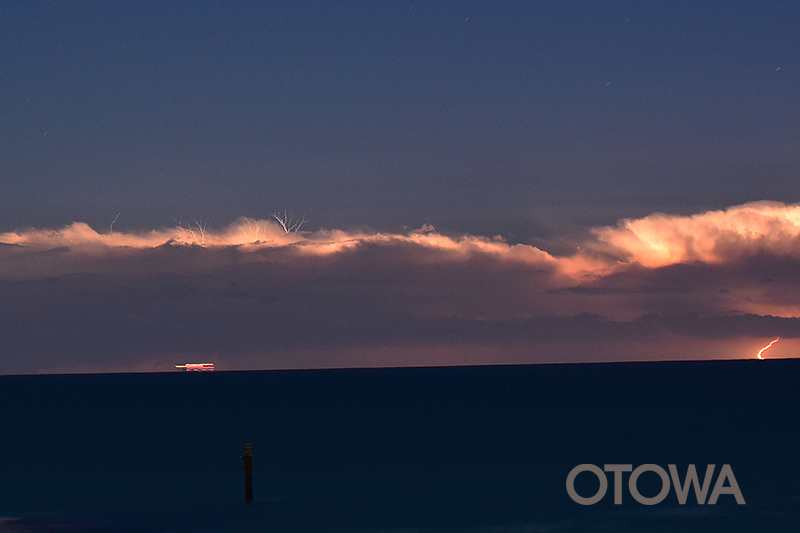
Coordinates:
x,y
80,235
254,234
712,237
657,240
765,348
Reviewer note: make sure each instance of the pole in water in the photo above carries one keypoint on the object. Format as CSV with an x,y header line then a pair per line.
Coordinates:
x,y
248,472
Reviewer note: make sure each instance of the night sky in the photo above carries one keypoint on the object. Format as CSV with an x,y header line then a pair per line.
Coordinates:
x,y
598,181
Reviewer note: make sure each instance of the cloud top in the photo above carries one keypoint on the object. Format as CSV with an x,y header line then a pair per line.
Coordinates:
x,y
713,237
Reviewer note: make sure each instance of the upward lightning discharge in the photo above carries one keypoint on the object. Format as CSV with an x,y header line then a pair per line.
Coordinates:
x,y
765,348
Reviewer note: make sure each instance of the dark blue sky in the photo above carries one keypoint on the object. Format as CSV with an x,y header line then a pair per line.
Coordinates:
x,y
487,117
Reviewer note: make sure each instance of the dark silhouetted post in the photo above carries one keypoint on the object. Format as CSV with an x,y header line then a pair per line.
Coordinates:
x,y
248,472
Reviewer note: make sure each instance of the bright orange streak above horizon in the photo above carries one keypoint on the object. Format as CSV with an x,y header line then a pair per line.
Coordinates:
x,y
765,348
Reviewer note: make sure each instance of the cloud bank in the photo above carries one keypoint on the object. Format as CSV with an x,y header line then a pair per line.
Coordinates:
x,y
252,295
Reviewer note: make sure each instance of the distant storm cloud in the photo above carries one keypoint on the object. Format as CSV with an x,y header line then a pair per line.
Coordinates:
x,y
714,237
253,295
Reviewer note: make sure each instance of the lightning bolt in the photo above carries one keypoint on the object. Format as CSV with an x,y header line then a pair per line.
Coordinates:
x,y
765,348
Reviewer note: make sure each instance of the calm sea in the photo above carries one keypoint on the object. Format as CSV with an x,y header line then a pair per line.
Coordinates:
x,y
473,449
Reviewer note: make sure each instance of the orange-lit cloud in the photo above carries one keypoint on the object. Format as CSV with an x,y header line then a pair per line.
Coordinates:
x,y
654,241
713,237
252,295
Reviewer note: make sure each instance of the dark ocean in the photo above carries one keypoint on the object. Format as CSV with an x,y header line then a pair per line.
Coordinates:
x,y
468,449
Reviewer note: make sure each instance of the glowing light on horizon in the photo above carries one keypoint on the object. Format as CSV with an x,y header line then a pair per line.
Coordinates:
x,y
197,367
765,348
